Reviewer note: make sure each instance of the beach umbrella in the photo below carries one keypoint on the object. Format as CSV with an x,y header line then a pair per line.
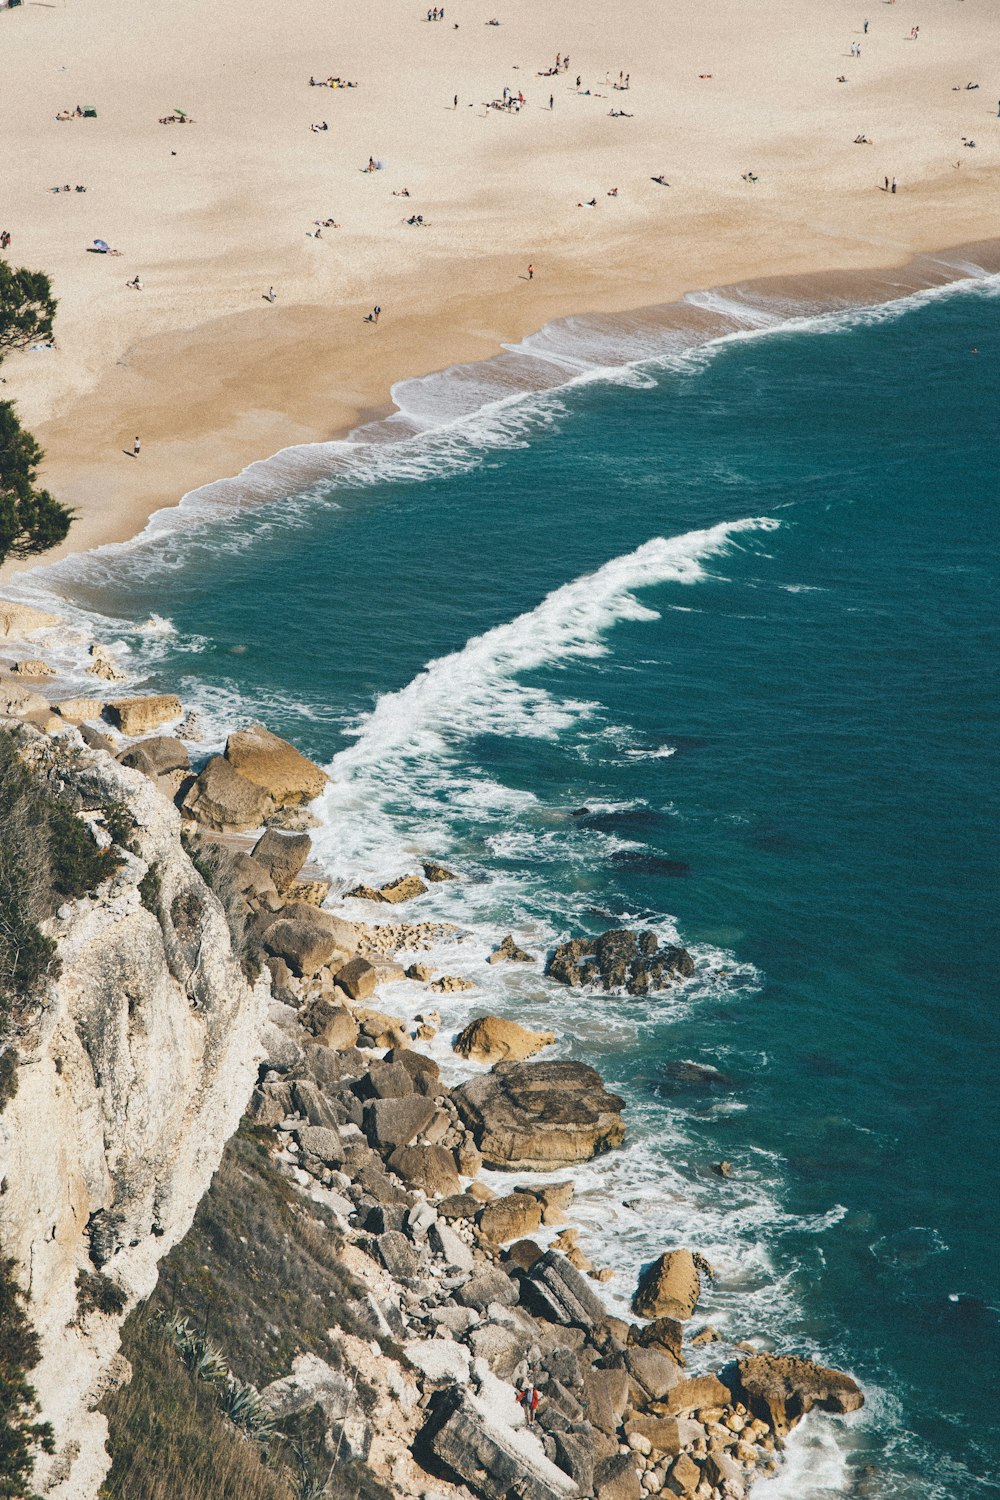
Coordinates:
x,y
180,112
102,245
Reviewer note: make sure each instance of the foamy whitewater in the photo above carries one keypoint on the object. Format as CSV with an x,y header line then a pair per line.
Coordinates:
x,y
679,622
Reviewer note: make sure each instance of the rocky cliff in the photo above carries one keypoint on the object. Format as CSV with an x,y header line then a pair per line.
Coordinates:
x,y
135,1069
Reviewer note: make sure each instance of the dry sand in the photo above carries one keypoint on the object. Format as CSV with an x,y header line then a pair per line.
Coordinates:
x,y
211,213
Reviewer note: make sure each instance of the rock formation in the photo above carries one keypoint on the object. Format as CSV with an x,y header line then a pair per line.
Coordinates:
x,y
491,1039
620,960
536,1116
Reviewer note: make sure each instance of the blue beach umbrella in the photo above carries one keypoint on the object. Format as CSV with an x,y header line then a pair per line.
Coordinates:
x,y
102,245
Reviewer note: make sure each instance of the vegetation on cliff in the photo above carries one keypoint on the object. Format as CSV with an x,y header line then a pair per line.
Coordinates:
x,y
31,521
47,853
20,1432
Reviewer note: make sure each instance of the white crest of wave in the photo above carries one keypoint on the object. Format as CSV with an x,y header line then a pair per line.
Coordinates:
x,y
476,686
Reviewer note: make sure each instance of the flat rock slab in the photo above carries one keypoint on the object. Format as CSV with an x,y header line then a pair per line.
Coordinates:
x,y
489,1286
140,715
441,1360
541,1115
554,1290
495,1460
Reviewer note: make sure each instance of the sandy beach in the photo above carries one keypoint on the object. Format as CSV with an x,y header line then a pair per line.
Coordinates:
x,y
745,120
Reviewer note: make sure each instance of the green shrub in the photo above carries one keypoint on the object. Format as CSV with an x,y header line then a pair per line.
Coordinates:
x,y
78,864
20,1433
150,888
96,1292
121,826
8,1077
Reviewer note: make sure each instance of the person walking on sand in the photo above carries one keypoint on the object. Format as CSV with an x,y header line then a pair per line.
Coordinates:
x,y
552,103
531,273
270,295
136,447
865,28
893,188
455,104
886,188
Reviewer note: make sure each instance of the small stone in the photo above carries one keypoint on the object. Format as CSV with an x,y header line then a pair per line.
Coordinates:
x,y
723,1168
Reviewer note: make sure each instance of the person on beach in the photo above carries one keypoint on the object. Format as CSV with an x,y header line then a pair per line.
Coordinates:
x,y
531,273
136,447
270,295
865,28
893,188
552,103
4,239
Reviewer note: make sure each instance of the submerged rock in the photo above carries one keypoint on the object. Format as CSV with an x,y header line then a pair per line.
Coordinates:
x,y
540,1115
620,960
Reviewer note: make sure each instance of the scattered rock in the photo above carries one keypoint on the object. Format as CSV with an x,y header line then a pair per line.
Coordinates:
x,y
541,1115
782,1388
684,1476
620,960
222,799
421,972
653,1373
322,1141
436,873
669,1288
459,1206
491,1039
139,715
334,1027
450,984
662,1433
606,1395
441,1360
723,1168
509,952
274,765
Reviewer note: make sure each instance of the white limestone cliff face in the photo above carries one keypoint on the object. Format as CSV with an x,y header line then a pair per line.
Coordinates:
x,y
134,1075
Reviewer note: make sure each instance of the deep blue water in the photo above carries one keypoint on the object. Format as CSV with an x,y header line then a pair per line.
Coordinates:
x,y
788,746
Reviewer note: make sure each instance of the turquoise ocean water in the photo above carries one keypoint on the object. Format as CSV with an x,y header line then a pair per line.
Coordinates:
x,y
706,641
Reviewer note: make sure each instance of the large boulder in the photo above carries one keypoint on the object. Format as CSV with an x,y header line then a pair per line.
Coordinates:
x,y
620,960
397,1122
430,1168
536,1116
358,978
512,1218
282,855
469,1437
274,765
616,1478
307,938
158,755
669,1288
221,798
605,1394
78,710
780,1388
699,1393
140,715
491,1039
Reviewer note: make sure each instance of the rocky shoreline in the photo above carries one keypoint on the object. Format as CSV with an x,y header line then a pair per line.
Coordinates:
x,y
471,1313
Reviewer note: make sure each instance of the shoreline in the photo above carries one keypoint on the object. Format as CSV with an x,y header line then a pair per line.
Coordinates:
x,y
694,318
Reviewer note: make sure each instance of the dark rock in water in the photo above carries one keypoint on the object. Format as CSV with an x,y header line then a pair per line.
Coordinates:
x,y
650,864
580,812
626,817
620,960
782,1388
437,873
686,1074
